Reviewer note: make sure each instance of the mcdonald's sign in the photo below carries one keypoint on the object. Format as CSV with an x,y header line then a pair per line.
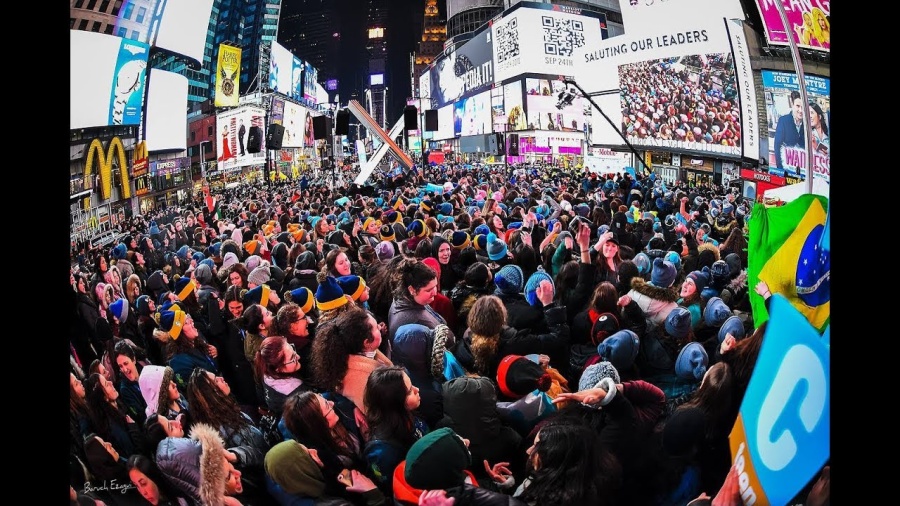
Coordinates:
x,y
105,165
140,161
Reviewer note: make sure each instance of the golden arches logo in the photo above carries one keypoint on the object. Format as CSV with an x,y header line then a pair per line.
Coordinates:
x,y
105,165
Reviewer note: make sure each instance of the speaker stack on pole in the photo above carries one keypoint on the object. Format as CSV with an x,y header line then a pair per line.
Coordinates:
x,y
431,120
274,136
254,139
513,145
321,127
342,122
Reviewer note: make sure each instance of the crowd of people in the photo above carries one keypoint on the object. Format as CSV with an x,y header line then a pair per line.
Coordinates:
x,y
456,335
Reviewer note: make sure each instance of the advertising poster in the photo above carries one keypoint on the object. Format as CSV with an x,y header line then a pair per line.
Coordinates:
x,y
281,64
310,78
645,16
809,23
541,97
233,129
425,88
293,121
445,123
464,72
228,76
472,115
542,40
513,107
781,438
787,137
130,76
682,89
297,79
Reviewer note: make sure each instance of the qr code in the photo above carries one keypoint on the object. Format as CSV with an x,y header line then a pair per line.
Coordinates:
x,y
507,41
562,36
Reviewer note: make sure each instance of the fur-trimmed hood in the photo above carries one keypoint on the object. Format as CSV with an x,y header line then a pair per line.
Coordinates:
x,y
711,247
212,470
654,292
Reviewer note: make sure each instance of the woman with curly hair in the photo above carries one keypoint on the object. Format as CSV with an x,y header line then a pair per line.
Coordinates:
x,y
133,288
234,275
345,352
210,401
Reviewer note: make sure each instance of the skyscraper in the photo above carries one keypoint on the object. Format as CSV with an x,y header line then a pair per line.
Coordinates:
x,y
311,30
377,48
434,33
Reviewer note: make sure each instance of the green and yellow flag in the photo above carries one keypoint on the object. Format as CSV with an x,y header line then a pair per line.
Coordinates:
x,y
228,73
789,249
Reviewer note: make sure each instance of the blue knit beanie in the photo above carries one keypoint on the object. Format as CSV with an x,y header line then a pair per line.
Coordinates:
x,y
532,285
620,348
663,274
509,279
496,248
691,362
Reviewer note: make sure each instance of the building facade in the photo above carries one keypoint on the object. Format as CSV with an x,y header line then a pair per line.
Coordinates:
x,y
311,29
434,33
377,50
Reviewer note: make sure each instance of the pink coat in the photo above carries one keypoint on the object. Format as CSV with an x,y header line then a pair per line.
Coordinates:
x,y
359,367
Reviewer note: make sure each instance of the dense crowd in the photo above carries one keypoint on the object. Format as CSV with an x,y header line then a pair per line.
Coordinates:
x,y
452,335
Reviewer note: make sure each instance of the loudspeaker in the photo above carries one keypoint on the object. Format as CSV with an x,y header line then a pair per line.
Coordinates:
x,y
321,127
431,120
274,136
501,144
410,118
491,144
513,144
342,122
254,139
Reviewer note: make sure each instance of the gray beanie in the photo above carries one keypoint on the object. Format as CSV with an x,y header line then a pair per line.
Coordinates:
x,y
203,274
595,372
260,275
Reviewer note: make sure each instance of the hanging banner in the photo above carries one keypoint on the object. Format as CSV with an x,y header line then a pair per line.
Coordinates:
x,y
127,95
781,438
228,75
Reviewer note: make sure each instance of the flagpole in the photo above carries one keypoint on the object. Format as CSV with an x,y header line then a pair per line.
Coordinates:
x,y
801,81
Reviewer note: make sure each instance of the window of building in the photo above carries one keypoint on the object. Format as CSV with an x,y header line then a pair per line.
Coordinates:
x,y
122,32
135,35
104,5
83,24
209,130
71,23
79,4
109,29
116,7
95,26
92,4
129,9
141,13
193,136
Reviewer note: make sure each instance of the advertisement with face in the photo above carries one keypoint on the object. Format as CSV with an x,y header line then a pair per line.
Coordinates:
x,y
234,128
293,123
809,23
787,137
463,72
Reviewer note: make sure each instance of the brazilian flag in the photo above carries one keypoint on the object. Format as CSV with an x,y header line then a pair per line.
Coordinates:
x,y
790,250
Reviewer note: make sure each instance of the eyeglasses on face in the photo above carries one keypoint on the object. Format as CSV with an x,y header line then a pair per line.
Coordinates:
x,y
294,357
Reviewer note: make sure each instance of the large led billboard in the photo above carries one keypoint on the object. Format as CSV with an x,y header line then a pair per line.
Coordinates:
x,y
232,132
541,98
809,23
445,123
687,88
787,140
106,79
184,28
167,94
310,79
472,115
294,121
463,72
281,70
542,41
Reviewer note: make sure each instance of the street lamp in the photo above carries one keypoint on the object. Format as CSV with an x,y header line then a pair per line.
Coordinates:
x,y
203,159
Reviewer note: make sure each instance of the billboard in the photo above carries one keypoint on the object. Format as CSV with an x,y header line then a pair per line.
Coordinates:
x,y
294,122
184,26
281,70
463,72
809,23
425,88
228,73
472,115
167,98
542,41
645,16
376,79
297,88
541,97
689,87
310,79
106,79
233,128
445,123
787,140
331,85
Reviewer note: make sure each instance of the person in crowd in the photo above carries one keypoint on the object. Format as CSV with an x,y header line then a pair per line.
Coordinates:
x,y
160,393
151,484
129,390
392,426
278,365
414,286
108,417
345,352
186,348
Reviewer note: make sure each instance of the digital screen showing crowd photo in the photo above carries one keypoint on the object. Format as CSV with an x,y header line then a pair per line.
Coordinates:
x,y
685,102
541,100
